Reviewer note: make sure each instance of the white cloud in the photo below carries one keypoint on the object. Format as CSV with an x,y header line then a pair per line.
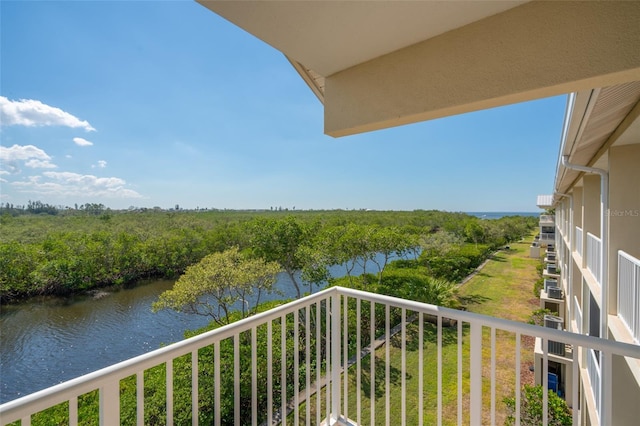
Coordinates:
x,y
40,164
4,172
22,152
82,142
68,156
101,164
74,184
33,113
33,157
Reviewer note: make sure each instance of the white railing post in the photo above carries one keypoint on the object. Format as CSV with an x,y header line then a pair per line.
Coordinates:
x,y
335,357
606,400
110,403
476,373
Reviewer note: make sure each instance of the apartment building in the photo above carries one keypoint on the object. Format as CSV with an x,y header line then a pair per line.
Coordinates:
x,y
597,219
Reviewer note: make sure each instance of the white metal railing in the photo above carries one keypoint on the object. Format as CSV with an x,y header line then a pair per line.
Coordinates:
x,y
629,293
579,240
273,369
548,236
594,372
577,314
594,247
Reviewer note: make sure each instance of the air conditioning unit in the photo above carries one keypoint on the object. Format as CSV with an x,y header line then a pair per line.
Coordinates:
x,y
534,244
551,256
549,282
552,321
551,268
554,293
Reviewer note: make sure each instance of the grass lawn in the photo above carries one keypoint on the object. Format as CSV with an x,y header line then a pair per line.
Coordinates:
x,y
502,289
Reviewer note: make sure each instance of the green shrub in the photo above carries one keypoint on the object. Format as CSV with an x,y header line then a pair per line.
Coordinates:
x,y
531,408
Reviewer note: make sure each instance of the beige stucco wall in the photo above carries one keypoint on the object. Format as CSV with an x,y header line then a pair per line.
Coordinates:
x,y
624,210
591,206
626,395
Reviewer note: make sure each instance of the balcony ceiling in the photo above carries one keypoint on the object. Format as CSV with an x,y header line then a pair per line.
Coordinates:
x,y
331,36
599,119
382,64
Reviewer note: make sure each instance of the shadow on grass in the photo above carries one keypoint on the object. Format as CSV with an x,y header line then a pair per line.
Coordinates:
x,y
395,376
473,299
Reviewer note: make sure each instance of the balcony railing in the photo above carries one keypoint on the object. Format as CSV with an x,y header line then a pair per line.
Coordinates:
x,y
311,358
629,293
594,246
578,243
548,236
595,375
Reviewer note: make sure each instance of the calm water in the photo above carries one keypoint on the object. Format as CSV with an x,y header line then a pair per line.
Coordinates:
x,y
498,215
45,341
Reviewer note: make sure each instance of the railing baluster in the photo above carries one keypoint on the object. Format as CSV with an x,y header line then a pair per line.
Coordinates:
x,y
387,365
318,364
358,363
195,399
236,380
169,369
328,359
575,384
439,330
517,368
545,381
270,372
296,368
110,403
73,411
606,402
283,369
254,376
345,355
335,356
307,360
493,375
459,372
372,363
403,369
216,380
420,369
140,397
476,373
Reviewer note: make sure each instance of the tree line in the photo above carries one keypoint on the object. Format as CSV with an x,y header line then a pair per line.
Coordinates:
x,y
60,255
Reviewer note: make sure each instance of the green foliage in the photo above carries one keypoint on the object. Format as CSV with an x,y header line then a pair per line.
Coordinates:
x,y
90,246
457,262
531,408
219,283
537,316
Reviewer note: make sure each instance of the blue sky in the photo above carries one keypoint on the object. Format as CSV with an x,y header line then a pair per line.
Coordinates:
x,y
163,103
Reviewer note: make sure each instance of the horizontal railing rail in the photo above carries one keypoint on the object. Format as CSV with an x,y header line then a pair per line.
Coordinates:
x,y
309,358
594,260
629,293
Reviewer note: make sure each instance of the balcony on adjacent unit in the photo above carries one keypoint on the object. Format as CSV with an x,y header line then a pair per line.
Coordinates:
x,y
594,259
629,293
311,360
